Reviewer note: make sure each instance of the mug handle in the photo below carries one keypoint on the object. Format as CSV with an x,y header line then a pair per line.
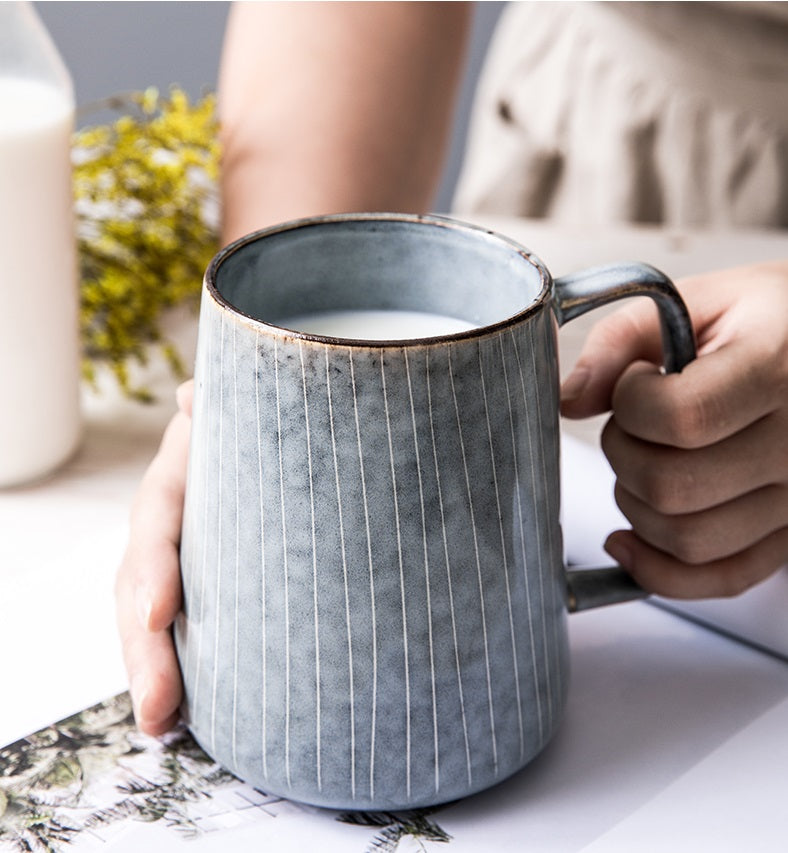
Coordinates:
x,y
577,293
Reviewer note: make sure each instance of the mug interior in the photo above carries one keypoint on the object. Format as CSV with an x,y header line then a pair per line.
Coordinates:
x,y
378,262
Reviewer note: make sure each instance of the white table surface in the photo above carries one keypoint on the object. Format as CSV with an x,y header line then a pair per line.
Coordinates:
x,y
675,737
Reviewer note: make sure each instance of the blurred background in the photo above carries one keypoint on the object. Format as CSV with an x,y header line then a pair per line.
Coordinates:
x,y
113,47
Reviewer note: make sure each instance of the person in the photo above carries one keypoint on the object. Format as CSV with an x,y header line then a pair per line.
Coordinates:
x,y
360,121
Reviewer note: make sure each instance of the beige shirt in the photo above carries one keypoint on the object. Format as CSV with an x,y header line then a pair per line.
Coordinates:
x,y
647,112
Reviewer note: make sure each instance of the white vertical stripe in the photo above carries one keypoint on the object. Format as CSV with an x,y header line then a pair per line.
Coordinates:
x,y
264,649
537,530
478,568
548,490
284,563
207,408
318,721
196,501
426,575
503,551
237,552
351,685
448,573
219,490
537,691
371,583
401,580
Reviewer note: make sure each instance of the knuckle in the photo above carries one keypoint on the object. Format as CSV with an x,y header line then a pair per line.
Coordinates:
x,y
690,544
665,478
759,561
733,584
680,536
668,489
697,420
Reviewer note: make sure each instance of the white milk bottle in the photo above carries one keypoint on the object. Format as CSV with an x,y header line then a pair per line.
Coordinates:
x,y
39,338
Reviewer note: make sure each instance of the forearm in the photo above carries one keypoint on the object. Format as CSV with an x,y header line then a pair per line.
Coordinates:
x,y
330,107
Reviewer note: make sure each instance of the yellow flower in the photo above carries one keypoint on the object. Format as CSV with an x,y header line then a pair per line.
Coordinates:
x,y
142,186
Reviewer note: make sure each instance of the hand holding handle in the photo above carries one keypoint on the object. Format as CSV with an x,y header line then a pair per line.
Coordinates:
x,y
580,292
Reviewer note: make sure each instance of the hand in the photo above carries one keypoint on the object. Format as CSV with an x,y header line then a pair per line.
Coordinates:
x,y
148,586
701,457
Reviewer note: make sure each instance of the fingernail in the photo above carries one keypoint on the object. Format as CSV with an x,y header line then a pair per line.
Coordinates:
x,y
620,553
144,604
138,689
574,384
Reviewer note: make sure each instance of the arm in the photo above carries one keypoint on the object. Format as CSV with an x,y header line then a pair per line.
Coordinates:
x,y
336,107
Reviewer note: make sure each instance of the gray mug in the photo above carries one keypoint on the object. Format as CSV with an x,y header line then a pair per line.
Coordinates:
x,y
374,591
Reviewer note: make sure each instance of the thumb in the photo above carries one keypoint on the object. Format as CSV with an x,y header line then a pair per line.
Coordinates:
x,y
630,334
184,395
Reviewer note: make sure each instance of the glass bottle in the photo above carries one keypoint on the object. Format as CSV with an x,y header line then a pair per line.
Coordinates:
x,y
40,422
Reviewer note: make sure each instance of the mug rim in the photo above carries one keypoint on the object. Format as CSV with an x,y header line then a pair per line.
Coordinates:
x,y
535,305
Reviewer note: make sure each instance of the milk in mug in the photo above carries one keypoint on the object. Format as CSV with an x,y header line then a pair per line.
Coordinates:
x,y
376,325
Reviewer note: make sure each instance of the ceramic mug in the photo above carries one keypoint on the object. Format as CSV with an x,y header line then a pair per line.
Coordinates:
x,y
374,596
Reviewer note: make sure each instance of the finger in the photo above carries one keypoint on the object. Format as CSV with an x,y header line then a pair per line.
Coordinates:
x,y
709,535
662,574
156,520
675,481
157,694
727,310
630,334
713,398
151,664
184,396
